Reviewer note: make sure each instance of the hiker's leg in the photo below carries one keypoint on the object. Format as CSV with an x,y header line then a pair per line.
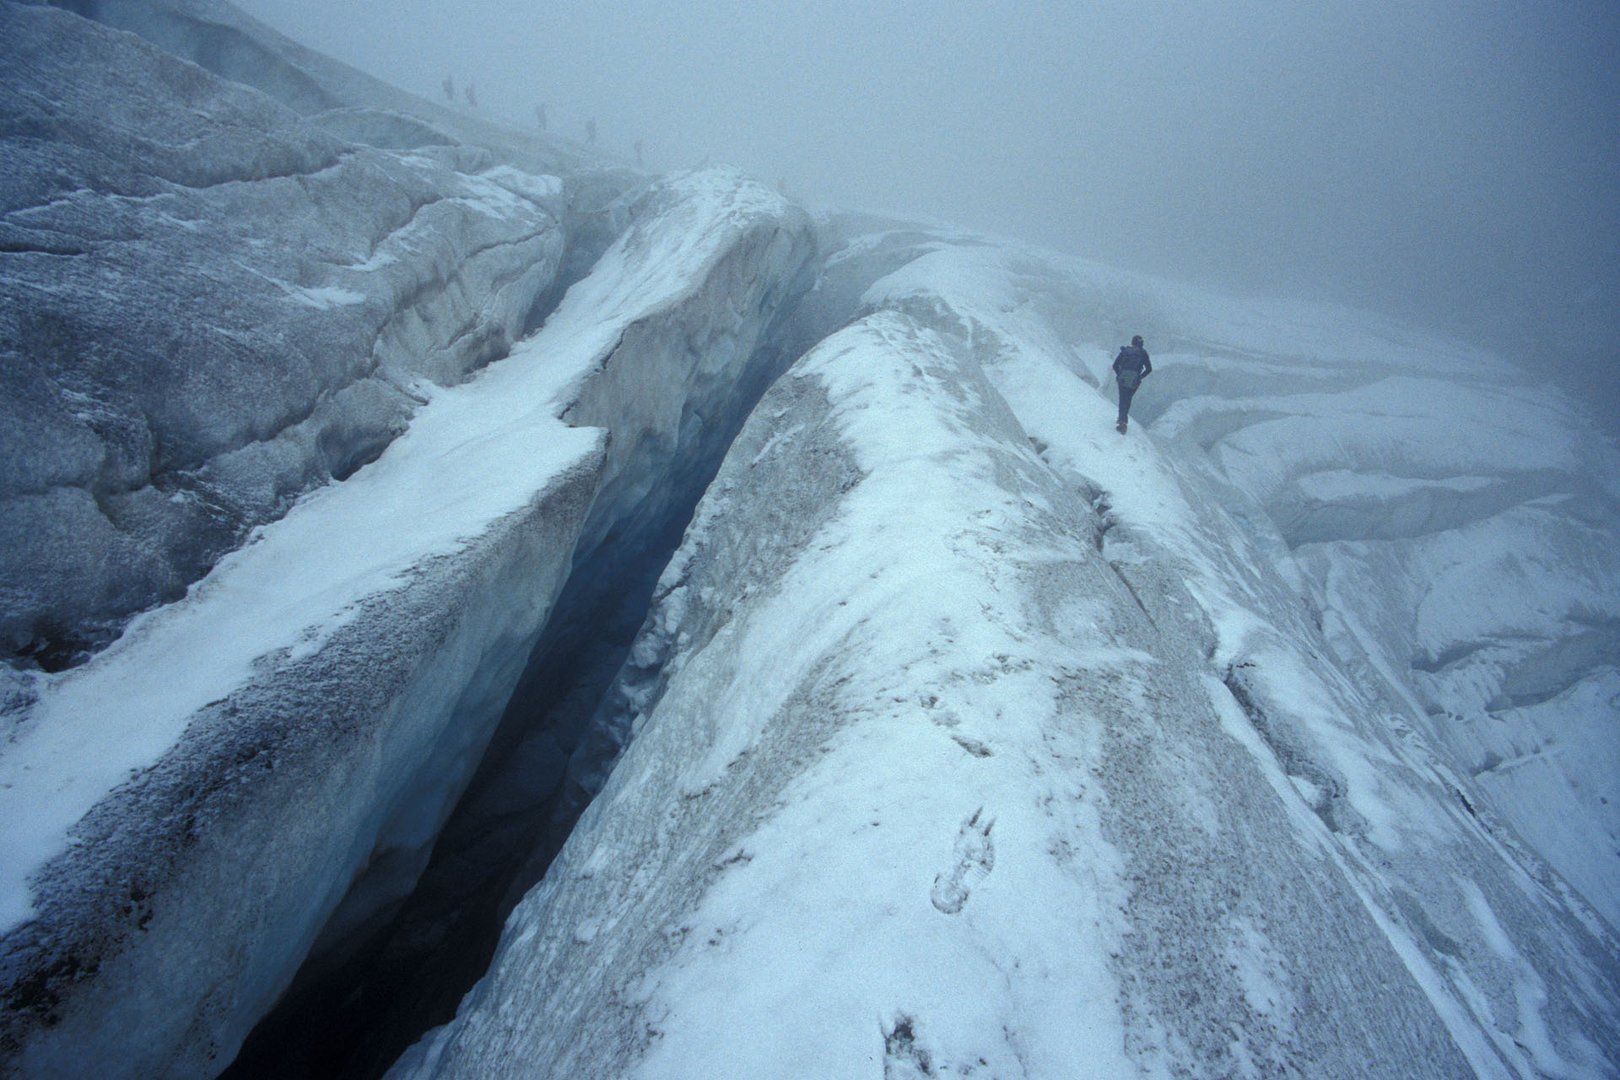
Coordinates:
x,y
1125,403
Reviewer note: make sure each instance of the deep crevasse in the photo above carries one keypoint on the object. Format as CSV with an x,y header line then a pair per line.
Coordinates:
x,y
381,675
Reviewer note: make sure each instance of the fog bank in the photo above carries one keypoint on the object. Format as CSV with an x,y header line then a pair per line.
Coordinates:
x,y
1452,163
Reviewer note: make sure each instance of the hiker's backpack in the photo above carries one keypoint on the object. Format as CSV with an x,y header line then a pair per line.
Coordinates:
x,y
1129,376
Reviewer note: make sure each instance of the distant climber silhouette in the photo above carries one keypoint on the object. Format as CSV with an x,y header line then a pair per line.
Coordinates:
x,y
540,115
590,131
450,88
1131,366
472,96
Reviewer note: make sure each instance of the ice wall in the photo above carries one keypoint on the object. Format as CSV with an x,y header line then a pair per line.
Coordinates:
x,y
316,758
215,306
209,306
680,322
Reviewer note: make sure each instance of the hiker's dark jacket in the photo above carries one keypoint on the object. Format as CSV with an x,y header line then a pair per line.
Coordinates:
x,y
1133,358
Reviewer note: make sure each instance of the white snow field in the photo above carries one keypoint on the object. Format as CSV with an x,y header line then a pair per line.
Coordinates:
x,y
968,738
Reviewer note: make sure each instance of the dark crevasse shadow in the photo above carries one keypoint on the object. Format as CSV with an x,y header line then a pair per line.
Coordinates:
x,y
363,1000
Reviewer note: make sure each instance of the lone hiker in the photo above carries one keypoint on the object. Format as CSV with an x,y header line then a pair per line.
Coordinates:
x,y
1131,366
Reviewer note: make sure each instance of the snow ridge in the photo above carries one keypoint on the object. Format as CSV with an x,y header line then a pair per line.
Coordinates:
x,y
1006,612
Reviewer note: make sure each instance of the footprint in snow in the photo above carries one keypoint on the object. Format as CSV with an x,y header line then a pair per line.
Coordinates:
x,y
903,1059
972,860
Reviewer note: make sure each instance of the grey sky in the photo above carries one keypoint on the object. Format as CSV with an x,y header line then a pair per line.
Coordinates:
x,y
1454,161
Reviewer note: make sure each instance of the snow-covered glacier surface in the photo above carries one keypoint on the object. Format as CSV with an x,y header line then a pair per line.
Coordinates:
x,y
1453,523
331,713
961,736
968,738
270,758
210,305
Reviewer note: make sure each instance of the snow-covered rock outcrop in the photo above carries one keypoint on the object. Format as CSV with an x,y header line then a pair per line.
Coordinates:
x,y
972,739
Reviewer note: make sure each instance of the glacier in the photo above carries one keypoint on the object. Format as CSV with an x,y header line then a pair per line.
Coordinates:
x,y
262,361
413,524
965,737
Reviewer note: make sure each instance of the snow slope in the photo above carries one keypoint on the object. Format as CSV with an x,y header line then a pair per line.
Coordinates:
x,y
971,739
1454,521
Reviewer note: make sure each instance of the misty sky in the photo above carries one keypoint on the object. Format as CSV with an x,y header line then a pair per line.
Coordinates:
x,y
1454,161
